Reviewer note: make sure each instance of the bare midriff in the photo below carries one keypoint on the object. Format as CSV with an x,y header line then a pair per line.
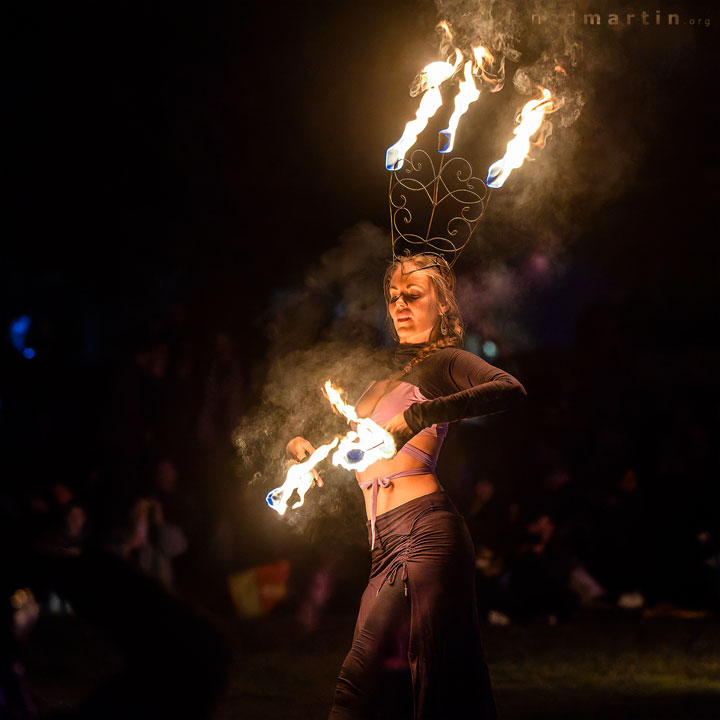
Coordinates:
x,y
402,489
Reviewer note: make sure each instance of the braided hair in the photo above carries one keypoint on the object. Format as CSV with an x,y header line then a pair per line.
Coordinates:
x,y
443,280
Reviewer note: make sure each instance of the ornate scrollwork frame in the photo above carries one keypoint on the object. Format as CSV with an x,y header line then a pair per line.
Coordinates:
x,y
457,201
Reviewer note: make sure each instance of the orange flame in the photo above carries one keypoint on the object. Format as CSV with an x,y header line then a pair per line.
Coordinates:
x,y
467,93
530,119
433,75
446,28
299,478
363,446
482,55
357,450
484,62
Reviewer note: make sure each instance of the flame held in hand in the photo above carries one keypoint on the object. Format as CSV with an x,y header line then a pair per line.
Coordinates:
x,y
357,450
363,446
299,478
530,119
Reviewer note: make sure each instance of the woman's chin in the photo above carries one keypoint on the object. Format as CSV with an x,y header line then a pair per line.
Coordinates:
x,y
412,338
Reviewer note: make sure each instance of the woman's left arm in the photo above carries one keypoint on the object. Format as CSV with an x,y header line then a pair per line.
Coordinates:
x,y
475,388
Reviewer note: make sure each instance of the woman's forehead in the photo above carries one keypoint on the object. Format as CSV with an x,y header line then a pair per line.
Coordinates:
x,y
406,276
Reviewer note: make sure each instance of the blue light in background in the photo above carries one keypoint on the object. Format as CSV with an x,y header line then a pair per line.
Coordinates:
x,y
489,349
472,343
19,328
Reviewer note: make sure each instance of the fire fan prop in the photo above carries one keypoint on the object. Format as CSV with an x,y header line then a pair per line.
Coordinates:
x,y
365,444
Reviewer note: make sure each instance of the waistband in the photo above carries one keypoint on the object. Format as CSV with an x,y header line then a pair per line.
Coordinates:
x,y
399,520
428,466
403,533
402,512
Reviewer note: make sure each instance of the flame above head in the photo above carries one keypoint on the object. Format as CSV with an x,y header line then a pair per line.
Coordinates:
x,y
530,119
436,73
443,25
493,77
467,93
482,55
433,75
299,477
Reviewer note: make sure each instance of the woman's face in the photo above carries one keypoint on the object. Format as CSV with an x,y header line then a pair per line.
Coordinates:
x,y
413,306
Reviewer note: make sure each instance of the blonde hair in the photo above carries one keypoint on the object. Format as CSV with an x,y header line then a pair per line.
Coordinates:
x,y
443,281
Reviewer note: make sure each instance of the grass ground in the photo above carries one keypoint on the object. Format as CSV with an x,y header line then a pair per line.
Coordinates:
x,y
602,665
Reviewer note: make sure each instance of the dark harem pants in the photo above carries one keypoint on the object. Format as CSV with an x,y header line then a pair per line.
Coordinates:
x,y
421,595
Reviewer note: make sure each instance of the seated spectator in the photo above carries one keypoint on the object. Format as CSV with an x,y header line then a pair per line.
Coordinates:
x,y
536,584
150,543
68,537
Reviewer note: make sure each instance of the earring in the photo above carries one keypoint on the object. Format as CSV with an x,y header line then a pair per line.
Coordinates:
x,y
443,324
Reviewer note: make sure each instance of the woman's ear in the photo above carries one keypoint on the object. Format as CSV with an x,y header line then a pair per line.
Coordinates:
x,y
440,298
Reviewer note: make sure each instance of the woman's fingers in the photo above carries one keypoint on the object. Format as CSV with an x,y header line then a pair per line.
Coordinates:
x,y
299,448
399,429
307,447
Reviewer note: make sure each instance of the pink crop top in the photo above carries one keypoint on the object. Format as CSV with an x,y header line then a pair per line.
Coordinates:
x,y
397,401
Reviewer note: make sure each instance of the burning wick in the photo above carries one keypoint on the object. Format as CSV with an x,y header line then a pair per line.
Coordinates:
x,y
468,93
530,119
433,76
363,446
300,479
356,454
358,450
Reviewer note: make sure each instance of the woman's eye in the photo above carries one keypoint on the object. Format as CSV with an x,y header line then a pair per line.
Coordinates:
x,y
407,297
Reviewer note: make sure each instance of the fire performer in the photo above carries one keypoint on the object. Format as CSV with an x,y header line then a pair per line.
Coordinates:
x,y
421,592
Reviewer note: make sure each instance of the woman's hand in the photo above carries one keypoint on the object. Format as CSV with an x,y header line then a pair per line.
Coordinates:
x,y
399,429
300,449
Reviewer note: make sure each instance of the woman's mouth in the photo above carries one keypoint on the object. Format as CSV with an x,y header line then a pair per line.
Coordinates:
x,y
402,318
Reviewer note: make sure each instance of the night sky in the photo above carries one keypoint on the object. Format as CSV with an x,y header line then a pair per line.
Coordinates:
x,y
159,153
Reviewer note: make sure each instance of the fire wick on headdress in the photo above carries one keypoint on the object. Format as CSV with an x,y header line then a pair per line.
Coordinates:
x,y
518,149
433,75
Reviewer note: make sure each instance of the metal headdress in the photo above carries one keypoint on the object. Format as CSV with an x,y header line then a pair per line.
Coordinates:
x,y
447,203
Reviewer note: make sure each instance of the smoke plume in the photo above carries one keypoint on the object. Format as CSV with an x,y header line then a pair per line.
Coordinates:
x,y
326,329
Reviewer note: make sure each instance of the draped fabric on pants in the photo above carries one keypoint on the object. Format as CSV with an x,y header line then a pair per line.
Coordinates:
x,y
421,594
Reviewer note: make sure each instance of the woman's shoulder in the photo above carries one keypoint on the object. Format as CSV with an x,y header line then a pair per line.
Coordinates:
x,y
452,368
433,373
